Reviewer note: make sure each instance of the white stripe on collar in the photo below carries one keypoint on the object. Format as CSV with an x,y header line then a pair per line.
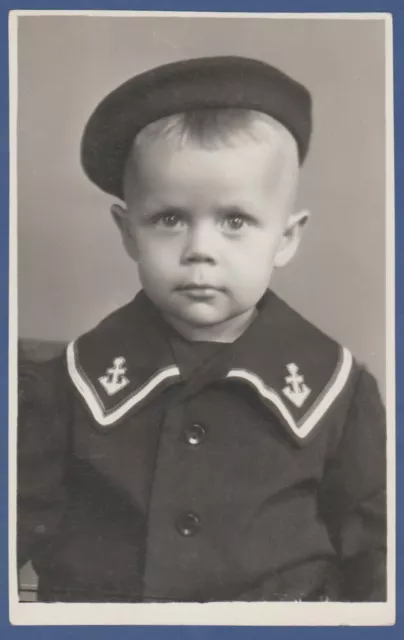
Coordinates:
x,y
324,401
92,399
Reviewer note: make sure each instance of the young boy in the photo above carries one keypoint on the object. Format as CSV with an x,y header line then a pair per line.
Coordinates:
x,y
204,442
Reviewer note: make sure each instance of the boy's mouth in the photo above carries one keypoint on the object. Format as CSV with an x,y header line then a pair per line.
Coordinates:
x,y
200,290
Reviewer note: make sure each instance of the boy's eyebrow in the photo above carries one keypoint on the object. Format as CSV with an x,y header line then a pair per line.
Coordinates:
x,y
234,209
164,210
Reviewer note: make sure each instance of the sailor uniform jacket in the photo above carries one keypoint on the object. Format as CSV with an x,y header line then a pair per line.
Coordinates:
x,y
260,475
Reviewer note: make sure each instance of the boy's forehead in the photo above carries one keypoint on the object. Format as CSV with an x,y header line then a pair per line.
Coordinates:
x,y
164,173
190,85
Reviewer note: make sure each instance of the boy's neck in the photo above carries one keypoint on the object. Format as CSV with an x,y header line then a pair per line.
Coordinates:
x,y
227,331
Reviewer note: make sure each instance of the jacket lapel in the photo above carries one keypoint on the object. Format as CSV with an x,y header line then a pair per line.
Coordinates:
x,y
123,363
296,371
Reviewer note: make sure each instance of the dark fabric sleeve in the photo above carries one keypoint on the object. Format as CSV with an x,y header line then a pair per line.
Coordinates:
x,y
42,455
353,496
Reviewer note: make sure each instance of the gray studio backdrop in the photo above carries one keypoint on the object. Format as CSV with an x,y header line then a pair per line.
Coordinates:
x,y
72,270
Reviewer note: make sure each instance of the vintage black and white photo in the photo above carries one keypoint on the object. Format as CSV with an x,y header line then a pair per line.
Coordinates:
x,y
204,343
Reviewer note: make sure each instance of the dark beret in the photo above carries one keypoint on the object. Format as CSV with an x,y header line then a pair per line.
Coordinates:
x,y
201,83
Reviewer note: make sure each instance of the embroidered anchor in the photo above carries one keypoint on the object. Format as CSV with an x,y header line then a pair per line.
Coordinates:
x,y
115,378
296,390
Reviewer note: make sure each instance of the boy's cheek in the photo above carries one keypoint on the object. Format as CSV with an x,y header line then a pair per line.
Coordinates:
x,y
155,259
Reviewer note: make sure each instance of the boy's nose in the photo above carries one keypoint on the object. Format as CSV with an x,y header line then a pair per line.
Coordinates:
x,y
199,247
197,256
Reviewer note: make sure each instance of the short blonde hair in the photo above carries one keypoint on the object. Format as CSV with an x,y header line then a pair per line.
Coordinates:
x,y
212,128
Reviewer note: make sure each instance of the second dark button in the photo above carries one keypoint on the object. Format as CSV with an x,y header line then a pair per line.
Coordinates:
x,y
195,434
188,524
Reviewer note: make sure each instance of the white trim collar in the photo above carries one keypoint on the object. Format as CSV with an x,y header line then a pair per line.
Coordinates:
x,y
303,427
86,389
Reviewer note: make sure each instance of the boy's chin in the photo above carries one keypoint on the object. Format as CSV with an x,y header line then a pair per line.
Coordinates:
x,y
197,316
209,324
201,320
208,318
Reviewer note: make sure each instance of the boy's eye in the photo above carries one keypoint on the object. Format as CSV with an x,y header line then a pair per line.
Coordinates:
x,y
169,220
234,222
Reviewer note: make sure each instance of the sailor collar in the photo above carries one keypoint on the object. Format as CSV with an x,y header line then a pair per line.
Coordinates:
x,y
296,371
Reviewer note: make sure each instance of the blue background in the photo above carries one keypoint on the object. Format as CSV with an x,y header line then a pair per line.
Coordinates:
x,y
214,633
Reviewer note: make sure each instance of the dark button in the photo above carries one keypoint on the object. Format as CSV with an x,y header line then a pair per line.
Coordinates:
x,y
195,434
188,524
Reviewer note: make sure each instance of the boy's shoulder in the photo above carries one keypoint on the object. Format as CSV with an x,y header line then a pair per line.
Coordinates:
x,y
295,370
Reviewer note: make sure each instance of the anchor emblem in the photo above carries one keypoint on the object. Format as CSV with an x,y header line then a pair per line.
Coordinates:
x,y
296,390
115,379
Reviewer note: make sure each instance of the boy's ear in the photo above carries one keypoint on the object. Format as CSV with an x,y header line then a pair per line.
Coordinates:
x,y
291,238
121,219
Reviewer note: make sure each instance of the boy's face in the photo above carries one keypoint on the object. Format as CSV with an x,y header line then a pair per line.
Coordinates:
x,y
207,228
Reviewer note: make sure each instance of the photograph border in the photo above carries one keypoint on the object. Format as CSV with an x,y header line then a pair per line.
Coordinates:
x,y
53,618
